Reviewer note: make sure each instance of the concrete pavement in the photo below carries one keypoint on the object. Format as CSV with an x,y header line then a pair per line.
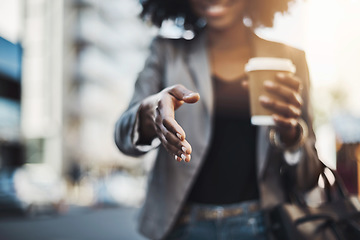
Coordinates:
x,y
77,224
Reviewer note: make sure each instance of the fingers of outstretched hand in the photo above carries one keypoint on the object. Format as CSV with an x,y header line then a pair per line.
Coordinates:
x,y
176,135
173,127
172,137
165,116
168,130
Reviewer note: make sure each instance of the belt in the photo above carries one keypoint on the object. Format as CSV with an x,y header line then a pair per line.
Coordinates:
x,y
215,212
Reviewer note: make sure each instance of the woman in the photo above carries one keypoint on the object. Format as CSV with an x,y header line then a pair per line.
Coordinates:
x,y
226,172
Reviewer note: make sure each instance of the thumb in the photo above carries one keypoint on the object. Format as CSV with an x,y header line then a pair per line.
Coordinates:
x,y
192,97
181,93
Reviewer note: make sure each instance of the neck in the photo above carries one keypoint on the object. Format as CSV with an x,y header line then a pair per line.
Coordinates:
x,y
234,36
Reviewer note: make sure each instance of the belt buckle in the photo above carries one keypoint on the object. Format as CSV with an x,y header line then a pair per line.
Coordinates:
x,y
219,212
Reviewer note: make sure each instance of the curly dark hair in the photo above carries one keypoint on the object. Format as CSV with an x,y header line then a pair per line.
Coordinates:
x,y
261,12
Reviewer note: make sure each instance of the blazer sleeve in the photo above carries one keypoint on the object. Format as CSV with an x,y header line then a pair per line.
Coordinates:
x,y
149,82
306,173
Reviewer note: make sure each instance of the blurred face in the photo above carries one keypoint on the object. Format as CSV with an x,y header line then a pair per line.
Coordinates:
x,y
219,14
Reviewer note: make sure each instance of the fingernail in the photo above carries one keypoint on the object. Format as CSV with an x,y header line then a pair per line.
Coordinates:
x,y
280,75
269,83
264,99
190,95
178,135
294,122
183,149
183,157
176,158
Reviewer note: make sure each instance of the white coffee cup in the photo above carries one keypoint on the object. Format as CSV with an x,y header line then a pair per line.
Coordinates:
x,y
260,69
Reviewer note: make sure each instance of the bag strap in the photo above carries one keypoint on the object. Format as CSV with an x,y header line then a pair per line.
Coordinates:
x,y
329,223
335,191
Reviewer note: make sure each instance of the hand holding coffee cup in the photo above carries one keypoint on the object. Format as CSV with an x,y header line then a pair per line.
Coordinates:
x,y
275,97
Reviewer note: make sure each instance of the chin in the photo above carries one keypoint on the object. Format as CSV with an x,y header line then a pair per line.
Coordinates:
x,y
220,25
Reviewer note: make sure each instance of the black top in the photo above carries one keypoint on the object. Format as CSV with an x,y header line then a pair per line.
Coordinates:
x,y
228,174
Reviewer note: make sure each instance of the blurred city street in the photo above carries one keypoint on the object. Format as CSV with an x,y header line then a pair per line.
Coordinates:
x,y
67,72
77,224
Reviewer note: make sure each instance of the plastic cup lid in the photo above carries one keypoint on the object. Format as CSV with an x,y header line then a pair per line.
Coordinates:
x,y
269,63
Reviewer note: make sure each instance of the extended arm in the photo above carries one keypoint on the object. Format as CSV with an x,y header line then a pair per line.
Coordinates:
x,y
151,114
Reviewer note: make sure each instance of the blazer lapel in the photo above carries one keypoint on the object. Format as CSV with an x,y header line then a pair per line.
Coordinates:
x,y
262,150
262,143
199,67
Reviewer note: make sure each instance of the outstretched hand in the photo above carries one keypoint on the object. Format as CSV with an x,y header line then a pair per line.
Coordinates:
x,y
157,119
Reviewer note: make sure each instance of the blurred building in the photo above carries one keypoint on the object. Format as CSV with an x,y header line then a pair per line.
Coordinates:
x,y
46,74
11,147
111,45
10,91
80,60
78,69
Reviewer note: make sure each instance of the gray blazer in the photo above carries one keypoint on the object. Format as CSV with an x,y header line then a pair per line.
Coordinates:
x,y
186,62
